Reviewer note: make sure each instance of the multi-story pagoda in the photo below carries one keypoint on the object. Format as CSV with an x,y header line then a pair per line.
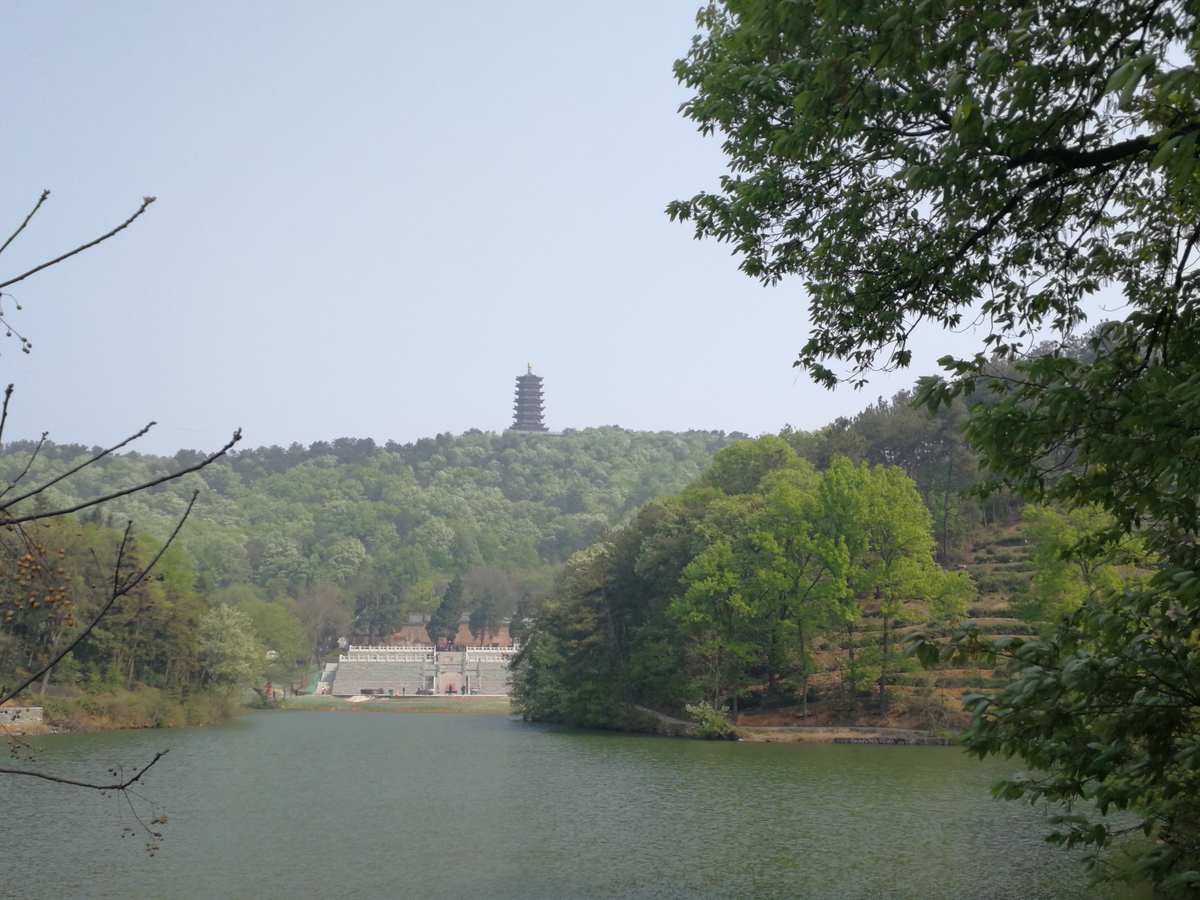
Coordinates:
x,y
527,411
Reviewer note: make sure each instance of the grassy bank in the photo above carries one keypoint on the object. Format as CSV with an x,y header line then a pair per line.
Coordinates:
x,y
402,704
142,707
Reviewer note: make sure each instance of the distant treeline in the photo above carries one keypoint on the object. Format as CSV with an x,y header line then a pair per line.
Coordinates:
x,y
415,514
348,536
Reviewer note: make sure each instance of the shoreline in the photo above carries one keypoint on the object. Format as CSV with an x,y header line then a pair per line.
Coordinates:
x,y
833,734
420,704
500,705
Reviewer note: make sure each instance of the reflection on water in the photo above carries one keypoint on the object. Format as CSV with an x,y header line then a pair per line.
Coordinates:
x,y
376,805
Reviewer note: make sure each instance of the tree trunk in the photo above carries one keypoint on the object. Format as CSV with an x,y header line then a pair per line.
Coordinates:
x,y
883,671
133,654
946,516
46,677
803,672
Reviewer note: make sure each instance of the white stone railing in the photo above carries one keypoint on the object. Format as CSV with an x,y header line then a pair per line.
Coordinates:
x,y
499,651
405,646
389,653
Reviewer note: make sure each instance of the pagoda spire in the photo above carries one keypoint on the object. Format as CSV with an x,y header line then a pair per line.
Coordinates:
x,y
527,411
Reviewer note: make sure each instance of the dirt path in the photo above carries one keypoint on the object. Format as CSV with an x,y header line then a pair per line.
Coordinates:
x,y
663,717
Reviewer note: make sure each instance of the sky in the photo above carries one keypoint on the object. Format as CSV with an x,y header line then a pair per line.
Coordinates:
x,y
369,218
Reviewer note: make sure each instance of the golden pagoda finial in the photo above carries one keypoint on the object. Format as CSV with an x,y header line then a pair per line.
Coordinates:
x,y
530,367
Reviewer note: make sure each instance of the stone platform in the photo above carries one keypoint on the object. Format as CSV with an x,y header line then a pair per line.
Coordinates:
x,y
403,671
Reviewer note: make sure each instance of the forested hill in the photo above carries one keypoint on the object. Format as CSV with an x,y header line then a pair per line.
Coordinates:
x,y
409,515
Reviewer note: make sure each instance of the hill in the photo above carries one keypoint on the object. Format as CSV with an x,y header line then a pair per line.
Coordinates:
x,y
412,515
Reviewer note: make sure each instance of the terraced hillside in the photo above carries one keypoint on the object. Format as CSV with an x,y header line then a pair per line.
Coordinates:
x,y
1000,565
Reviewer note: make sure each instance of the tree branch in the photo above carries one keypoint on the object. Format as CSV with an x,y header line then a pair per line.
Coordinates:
x,y
119,786
32,456
120,589
1067,158
38,206
83,465
16,520
146,201
4,416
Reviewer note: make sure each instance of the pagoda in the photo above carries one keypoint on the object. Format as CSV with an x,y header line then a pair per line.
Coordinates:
x,y
527,411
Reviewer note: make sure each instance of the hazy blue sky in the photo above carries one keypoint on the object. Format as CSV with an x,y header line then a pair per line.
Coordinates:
x,y
370,217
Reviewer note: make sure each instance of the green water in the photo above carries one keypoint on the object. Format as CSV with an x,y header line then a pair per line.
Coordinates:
x,y
376,805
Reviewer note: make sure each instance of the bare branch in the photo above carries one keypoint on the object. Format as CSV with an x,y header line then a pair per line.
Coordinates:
x,y
1071,158
82,465
146,201
4,416
120,589
28,466
12,237
119,786
125,536
16,520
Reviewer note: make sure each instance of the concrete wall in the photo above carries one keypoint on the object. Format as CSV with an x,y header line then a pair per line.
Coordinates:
x,y
21,715
405,670
359,676
491,676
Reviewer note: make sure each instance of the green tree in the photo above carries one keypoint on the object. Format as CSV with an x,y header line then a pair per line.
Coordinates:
x,y
324,610
740,467
1003,163
282,634
378,607
803,566
443,624
230,654
717,620
573,667
485,617
1065,580
933,454
900,567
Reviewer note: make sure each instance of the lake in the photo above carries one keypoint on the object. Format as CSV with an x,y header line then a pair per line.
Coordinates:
x,y
289,805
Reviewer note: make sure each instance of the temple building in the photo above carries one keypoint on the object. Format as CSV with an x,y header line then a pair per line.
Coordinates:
x,y
411,665
527,411
400,671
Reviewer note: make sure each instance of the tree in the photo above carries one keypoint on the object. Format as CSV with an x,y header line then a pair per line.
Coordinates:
x,y
932,453
1063,580
282,634
900,566
323,610
806,566
27,558
1002,163
230,653
377,607
740,467
443,624
572,667
485,617
716,618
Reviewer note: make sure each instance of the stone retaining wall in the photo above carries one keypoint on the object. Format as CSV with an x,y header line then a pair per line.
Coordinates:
x,y
356,676
405,670
489,672
937,742
21,715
